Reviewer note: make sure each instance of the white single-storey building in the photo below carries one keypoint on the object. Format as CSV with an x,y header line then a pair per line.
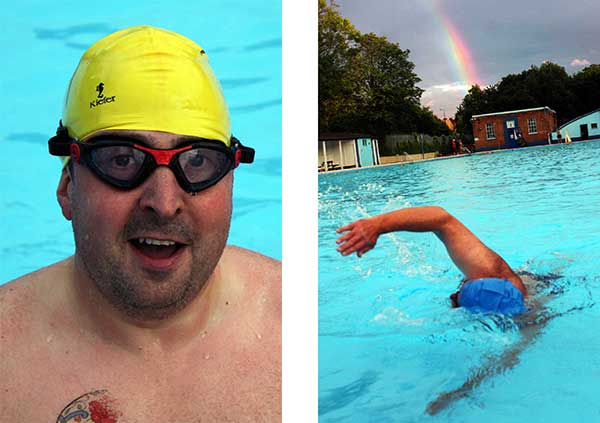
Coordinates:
x,y
583,128
347,151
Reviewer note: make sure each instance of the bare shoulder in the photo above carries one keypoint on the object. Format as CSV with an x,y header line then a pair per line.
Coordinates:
x,y
253,264
33,281
27,313
259,274
16,297
26,301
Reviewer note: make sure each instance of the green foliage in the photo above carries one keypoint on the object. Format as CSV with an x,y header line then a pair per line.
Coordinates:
x,y
367,84
585,86
547,85
472,104
428,123
336,36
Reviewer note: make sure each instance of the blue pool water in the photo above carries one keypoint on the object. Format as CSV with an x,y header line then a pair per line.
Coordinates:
x,y
389,343
42,43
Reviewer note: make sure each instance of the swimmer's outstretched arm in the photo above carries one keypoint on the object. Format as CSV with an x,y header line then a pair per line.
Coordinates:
x,y
495,365
467,252
530,331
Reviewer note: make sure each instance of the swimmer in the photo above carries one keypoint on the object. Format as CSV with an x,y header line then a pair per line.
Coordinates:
x,y
490,285
154,317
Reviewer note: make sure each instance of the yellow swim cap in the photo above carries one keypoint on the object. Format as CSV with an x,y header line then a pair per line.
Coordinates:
x,y
146,78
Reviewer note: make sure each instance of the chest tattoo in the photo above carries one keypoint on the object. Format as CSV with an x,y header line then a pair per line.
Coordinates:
x,y
96,406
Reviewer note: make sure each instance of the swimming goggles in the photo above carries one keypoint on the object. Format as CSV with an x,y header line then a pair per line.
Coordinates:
x,y
454,297
126,163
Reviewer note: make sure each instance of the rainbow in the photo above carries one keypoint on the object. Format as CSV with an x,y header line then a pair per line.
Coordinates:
x,y
459,54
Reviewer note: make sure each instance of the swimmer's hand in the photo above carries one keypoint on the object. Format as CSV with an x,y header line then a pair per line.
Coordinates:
x,y
361,237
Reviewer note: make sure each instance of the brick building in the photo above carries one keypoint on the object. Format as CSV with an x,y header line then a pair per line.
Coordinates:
x,y
499,130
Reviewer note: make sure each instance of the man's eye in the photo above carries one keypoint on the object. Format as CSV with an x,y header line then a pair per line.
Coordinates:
x,y
197,160
122,160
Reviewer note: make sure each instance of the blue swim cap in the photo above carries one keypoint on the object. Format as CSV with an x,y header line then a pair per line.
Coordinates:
x,y
491,295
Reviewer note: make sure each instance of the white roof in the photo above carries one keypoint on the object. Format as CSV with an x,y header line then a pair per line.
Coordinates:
x,y
512,111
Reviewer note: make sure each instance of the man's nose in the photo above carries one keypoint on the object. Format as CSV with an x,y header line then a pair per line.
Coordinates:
x,y
162,194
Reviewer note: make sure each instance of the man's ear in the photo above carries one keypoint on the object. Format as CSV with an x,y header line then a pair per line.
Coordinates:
x,y
63,192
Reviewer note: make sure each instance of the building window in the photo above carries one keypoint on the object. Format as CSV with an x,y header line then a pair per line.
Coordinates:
x,y
489,131
531,126
594,125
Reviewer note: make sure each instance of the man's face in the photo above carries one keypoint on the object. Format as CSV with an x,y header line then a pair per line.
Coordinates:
x,y
151,249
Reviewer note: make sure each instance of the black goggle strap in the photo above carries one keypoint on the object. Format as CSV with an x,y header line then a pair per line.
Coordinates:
x,y
242,153
60,144
63,145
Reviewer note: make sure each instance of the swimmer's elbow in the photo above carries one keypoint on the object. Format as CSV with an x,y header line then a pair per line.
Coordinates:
x,y
440,211
445,222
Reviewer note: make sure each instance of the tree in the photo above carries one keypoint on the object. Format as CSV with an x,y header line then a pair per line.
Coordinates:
x,y
428,123
585,86
548,85
336,37
383,84
477,101
366,83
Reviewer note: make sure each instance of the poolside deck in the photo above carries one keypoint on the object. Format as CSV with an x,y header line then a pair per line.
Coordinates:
x,y
419,160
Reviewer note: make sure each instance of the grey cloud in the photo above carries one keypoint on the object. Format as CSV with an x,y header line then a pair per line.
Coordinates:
x,y
503,37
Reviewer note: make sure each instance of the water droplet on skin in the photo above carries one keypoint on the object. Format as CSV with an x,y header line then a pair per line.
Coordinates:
x,y
259,336
206,356
49,339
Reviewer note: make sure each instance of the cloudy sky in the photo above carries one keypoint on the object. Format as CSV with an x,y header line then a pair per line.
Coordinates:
x,y
453,42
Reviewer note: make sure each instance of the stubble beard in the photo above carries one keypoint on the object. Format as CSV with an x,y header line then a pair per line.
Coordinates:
x,y
128,290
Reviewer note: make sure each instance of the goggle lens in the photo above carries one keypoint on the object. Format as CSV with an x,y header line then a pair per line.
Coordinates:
x,y
123,163
202,164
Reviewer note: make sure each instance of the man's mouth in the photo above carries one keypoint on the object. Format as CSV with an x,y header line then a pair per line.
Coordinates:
x,y
156,249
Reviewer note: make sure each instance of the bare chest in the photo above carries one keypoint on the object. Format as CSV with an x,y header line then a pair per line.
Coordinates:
x,y
241,384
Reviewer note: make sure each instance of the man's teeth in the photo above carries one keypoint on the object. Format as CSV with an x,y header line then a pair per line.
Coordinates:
x,y
150,241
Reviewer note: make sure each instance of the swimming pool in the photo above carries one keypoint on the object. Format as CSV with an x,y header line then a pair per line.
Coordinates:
x,y
389,343
243,41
